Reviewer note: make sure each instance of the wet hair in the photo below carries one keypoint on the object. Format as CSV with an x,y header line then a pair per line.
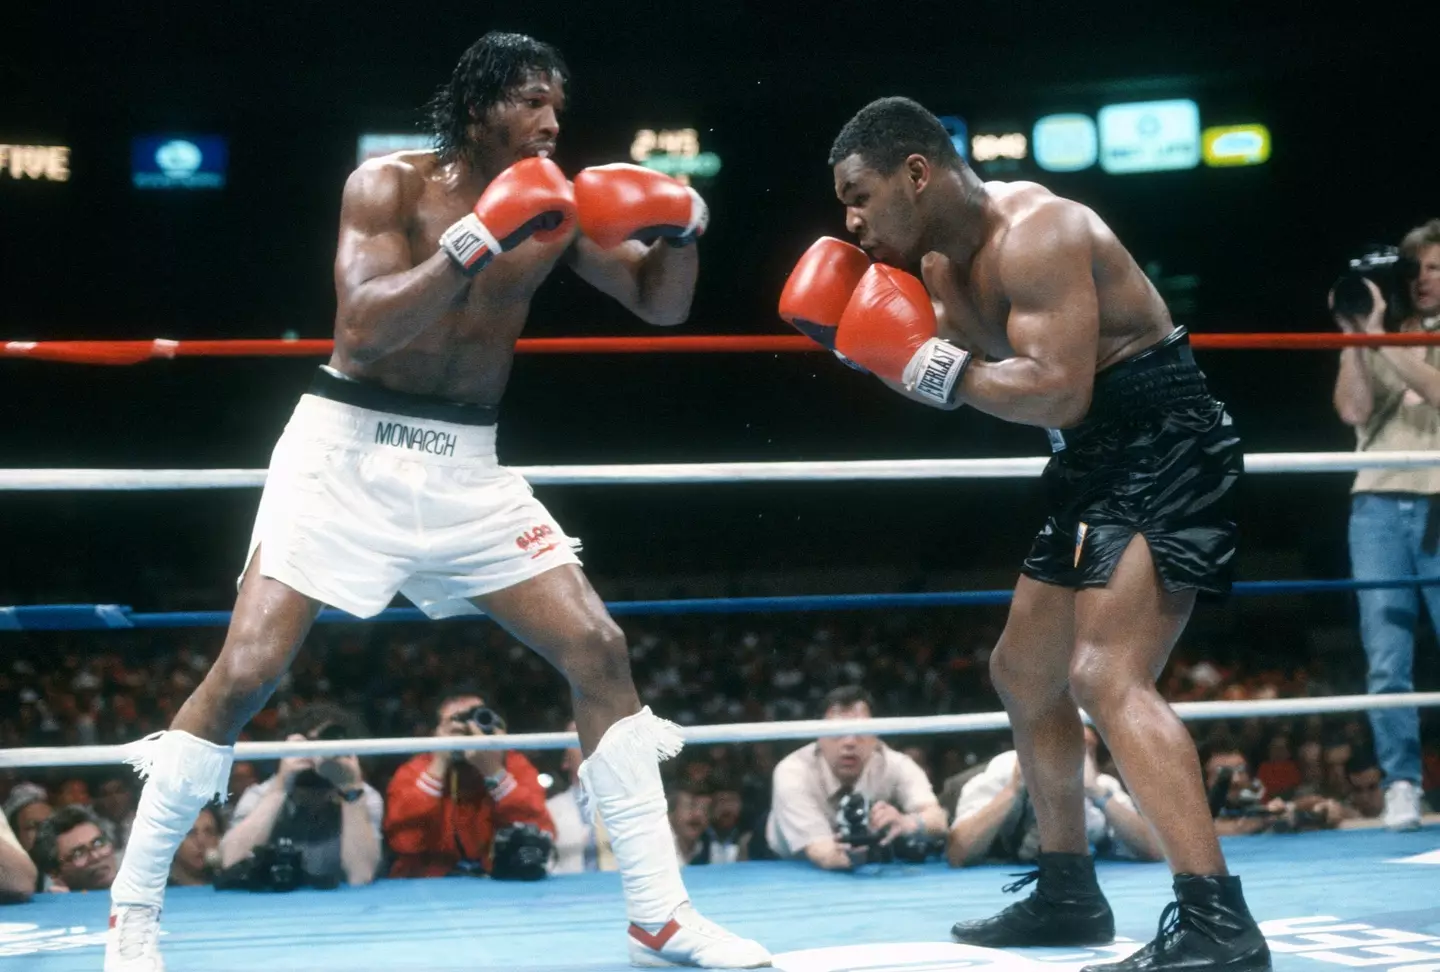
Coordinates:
x,y
487,71
885,132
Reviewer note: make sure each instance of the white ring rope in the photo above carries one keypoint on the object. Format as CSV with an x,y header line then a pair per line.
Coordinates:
x,y
731,733
705,472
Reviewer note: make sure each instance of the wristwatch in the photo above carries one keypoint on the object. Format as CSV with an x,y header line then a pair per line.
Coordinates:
x,y
353,794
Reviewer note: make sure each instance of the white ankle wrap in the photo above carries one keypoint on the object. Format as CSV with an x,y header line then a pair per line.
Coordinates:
x,y
182,773
621,780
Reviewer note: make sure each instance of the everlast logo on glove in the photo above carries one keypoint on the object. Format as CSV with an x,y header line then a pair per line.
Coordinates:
x,y
414,438
938,366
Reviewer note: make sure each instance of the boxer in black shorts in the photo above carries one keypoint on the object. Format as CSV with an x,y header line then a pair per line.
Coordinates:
x,y
1028,308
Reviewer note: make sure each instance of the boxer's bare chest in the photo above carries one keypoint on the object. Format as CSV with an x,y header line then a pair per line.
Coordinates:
x,y
975,314
466,351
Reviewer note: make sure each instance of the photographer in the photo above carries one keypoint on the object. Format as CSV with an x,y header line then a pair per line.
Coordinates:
x,y
1391,396
842,797
450,811
1240,806
995,820
321,808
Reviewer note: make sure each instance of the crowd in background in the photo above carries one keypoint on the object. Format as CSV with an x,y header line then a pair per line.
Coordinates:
x,y
65,689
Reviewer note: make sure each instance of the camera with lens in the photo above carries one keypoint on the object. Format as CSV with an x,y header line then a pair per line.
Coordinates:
x,y
485,718
276,866
852,821
1388,270
522,853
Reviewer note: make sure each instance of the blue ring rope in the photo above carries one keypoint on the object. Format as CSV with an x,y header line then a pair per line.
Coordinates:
x,y
83,617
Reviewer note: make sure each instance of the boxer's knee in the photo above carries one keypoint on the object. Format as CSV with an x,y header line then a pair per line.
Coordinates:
x,y
599,661
1022,687
1098,683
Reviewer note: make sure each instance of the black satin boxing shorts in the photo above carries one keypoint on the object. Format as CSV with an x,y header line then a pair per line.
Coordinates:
x,y
1155,455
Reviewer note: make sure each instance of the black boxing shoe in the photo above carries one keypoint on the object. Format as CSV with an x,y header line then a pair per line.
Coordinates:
x,y
1207,928
1065,909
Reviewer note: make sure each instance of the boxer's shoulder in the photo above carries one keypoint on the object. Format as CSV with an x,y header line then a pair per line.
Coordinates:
x,y
391,179
1037,227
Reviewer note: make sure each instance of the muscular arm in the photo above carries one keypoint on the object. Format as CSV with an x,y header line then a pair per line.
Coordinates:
x,y
655,283
1054,326
384,299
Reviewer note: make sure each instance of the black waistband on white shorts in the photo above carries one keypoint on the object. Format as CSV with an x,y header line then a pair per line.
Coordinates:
x,y
377,398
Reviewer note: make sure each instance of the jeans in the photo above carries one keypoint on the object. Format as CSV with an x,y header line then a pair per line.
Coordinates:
x,y
1387,539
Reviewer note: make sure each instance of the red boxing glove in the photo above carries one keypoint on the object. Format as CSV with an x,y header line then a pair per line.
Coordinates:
x,y
627,202
531,198
820,286
889,327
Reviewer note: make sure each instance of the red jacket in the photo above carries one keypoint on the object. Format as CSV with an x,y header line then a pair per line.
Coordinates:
x,y
426,818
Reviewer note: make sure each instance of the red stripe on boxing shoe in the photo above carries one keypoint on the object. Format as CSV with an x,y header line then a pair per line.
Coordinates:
x,y
658,940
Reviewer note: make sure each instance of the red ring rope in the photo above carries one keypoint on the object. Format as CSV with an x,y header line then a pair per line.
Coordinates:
x,y
133,352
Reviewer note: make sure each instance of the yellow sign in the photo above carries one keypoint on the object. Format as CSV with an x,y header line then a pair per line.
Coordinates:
x,y
1235,145
43,162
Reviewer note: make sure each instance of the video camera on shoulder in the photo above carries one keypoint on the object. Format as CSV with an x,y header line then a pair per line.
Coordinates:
x,y
1389,271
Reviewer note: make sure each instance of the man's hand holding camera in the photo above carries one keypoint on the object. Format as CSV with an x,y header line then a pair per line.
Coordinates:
x,y
292,766
469,719
341,772
889,823
1371,323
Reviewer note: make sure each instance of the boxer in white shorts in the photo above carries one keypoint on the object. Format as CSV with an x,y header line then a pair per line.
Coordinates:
x,y
385,479
370,492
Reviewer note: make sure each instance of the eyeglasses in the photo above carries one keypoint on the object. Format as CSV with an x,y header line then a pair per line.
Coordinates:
x,y
80,854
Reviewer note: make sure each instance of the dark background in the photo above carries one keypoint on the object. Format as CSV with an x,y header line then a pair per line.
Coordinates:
x,y
1349,101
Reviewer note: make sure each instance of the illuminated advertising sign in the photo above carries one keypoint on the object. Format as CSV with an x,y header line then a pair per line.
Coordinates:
x,y
1066,143
1150,136
43,163
991,147
373,145
959,134
674,151
1236,145
178,161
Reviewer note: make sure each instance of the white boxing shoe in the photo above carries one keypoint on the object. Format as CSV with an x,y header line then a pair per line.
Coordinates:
x,y
689,939
133,942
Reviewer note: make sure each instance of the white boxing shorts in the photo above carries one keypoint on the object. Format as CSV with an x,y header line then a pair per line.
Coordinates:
x,y
371,492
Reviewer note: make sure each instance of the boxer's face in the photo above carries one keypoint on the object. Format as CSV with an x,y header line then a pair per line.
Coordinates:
x,y
523,124
1425,288
880,210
